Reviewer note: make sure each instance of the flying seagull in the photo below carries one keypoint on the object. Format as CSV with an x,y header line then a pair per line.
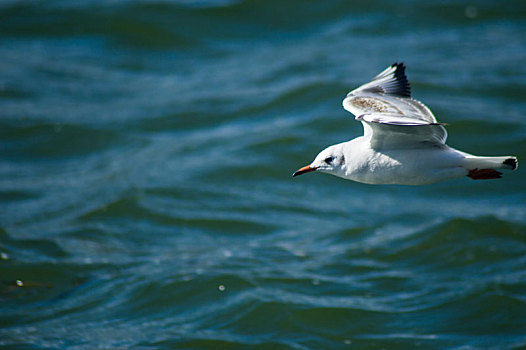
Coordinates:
x,y
403,143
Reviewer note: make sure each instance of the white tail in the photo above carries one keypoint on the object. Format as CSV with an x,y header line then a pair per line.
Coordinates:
x,y
475,162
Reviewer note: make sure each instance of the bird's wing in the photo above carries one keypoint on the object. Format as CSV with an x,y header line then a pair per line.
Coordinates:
x,y
388,131
391,118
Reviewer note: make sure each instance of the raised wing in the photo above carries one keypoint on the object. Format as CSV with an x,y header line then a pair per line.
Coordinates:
x,y
391,118
387,131
392,81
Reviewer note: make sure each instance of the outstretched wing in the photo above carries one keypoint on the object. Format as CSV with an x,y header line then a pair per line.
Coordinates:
x,y
391,118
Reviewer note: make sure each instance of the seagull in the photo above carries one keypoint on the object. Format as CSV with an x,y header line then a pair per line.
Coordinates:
x,y
403,143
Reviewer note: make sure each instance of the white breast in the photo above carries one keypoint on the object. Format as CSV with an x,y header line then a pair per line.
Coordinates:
x,y
405,167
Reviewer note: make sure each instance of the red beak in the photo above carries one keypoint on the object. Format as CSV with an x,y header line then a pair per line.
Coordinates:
x,y
305,169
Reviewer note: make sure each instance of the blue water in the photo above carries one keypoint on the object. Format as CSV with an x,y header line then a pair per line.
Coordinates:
x,y
146,198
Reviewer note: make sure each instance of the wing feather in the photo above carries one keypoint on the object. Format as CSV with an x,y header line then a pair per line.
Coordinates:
x,y
395,132
390,116
392,81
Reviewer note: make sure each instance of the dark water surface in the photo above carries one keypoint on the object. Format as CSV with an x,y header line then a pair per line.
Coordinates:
x,y
146,200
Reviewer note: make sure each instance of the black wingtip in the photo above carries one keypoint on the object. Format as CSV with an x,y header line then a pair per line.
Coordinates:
x,y
512,162
391,81
402,86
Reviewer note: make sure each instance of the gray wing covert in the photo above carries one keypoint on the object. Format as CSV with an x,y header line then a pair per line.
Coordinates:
x,y
390,116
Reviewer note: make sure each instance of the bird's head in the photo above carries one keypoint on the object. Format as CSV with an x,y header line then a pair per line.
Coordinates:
x,y
331,160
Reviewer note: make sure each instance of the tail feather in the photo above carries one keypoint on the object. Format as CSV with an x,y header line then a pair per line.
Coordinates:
x,y
474,162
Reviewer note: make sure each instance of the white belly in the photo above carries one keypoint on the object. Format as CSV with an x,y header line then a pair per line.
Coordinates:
x,y
406,167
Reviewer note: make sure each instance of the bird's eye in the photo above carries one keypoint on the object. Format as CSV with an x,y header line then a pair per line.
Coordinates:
x,y
329,160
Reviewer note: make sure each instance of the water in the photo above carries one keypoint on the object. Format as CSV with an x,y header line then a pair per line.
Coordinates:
x,y
146,198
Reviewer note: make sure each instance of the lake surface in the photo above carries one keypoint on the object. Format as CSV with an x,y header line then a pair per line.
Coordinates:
x,y
146,198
